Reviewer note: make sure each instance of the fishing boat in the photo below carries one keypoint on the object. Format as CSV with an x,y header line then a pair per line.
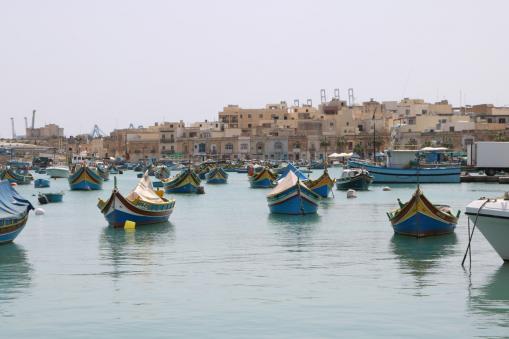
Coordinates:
x,y
84,178
142,205
354,178
103,171
41,183
321,186
261,177
138,167
291,168
14,177
45,198
13,212
402,166
217,175
58,171
420,218
491,216
114,170
162,172
291,196
184,182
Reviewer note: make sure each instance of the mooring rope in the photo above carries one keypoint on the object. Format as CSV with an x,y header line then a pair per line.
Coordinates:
x,y
471,234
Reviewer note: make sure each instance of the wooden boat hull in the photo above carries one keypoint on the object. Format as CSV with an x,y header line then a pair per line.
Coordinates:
x,y
359,183
217,176
117,210
294,201
13,177
185,182
51,197
85,179
263,179
420,218
412,175
103,173
10,228
321,186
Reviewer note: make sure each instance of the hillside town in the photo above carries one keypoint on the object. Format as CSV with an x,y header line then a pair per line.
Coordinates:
x,y
280,131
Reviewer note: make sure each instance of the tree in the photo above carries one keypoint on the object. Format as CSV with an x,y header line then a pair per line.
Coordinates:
x,y
359,149
324,143
341,143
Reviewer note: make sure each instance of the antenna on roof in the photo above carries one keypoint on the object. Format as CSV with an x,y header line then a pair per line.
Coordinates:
x,y
323,97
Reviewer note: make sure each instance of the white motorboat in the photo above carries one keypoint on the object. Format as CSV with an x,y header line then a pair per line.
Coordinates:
x,y
492,218
58,171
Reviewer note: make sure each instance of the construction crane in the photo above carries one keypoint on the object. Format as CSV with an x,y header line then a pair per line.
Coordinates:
x,y
97,132
13,130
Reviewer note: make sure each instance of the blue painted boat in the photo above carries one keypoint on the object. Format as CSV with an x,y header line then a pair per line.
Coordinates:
x,y
291,196
217,175
158,184
291,168
184,182
14,211
45,198
420,218
143,205
261,177
355,178
383,174
15,177
103,172
84,178
321,186
162,172
41,183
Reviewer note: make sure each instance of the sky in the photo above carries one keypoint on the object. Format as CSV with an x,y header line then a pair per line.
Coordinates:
x,y
116,62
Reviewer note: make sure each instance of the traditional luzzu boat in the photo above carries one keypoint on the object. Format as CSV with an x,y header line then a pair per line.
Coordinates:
x,y
321,186
41,183
291,168
84,178
354,178
13,177
261,177
402,166
420,218
13,212
491,216
142,206
162,172
58,171
291,196
217,175
184,182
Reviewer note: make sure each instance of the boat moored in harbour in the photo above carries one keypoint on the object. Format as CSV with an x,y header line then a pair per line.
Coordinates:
x,y
420,218
291,196
84,178
14,211
184,182
354,178
217,175
58,171
321,186
261,177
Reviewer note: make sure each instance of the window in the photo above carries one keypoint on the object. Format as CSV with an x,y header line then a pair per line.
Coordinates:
x,y
229,147
451,128
249,116
501,120
249,126
260,116
201,148
243,147
278,145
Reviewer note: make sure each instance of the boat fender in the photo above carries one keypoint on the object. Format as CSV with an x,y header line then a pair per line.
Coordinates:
x,y
39,211
129,225
351,193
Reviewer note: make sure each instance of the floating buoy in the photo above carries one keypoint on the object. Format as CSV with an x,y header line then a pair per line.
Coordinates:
x,y
351,193
129,225
39,211
160,193
386,188
14,184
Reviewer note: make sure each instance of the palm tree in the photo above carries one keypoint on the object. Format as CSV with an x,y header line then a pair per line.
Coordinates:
x,y
324,143
340,143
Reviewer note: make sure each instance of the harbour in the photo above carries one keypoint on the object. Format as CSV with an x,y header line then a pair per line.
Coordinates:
x,y
245,265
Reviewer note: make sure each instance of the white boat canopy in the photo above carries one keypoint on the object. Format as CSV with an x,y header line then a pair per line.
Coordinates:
x,y
144,191
287,182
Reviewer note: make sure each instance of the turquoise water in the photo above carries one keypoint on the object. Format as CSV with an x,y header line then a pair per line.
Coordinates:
x,y
223,267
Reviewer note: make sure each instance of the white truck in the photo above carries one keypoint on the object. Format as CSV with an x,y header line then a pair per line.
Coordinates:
x,y
488,156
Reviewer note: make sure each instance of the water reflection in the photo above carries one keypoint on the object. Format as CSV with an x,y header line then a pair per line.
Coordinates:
x,y
135,251
294,230
15,273
420,256
492,299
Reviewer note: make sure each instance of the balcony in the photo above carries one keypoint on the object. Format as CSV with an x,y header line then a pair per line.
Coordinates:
x,y
166,141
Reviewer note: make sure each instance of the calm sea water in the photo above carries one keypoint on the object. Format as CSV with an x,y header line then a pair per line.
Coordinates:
x,y
224,267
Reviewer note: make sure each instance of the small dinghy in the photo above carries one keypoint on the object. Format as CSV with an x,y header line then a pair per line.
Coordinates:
x,y
41,183
46,198
420,218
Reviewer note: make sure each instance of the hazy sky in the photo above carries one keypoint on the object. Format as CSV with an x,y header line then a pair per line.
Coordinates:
x,y
116,62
